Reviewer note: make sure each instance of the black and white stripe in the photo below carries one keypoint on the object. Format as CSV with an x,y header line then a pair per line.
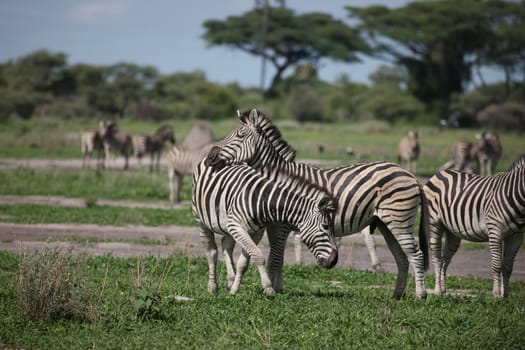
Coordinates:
x,y
115,140
239,203
377,194
153,145
92,142
182,162
479,209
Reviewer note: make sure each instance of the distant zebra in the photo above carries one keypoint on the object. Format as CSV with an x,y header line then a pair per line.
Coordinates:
x,y
378,194
488,152
239,203
182,162
90,142
409,151
152,144
115,140
479,209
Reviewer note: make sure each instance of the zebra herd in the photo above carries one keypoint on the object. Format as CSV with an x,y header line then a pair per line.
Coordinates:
x,y
249,183
108,140
453,204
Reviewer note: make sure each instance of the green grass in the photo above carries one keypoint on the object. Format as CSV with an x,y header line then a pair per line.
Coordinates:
x,y
100,215
55,138
91,185
135,309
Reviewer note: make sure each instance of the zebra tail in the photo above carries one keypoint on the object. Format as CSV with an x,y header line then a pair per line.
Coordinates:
x,y
424,228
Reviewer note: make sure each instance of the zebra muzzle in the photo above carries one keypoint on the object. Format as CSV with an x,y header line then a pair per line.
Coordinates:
x,y
330,261
213,158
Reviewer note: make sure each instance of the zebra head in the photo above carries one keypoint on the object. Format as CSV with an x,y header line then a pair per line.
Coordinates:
x,y
254,139
107,128
317,232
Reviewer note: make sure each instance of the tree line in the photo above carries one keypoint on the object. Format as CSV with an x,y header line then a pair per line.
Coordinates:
x,y
433,51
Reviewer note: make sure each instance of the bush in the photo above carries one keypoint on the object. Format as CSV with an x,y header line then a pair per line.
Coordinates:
x,y
48,286
305,105
507,116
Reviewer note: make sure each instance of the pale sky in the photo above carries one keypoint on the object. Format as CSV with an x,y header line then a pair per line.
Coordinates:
x,y
162,33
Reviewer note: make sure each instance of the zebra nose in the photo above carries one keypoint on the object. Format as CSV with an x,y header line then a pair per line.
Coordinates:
x,y
213,159
330,261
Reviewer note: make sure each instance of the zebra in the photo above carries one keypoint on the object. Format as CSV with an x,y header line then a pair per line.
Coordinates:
x,y
152,144
91,141
182,162
409,151
239,203
115,140
479,209
377,194
488,152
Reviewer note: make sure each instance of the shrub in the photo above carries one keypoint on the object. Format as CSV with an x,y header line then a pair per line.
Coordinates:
x,y
48,286
305,105
507,116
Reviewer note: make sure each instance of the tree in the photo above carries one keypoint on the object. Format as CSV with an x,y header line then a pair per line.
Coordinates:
x,y
289,39
437,41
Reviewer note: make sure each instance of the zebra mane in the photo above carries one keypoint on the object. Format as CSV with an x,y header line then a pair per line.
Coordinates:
x,y
272,133
518,163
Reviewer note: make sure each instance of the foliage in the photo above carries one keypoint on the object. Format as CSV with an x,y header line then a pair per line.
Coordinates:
x,y
305,105
290,38
388,102
507,116
439,42
49,286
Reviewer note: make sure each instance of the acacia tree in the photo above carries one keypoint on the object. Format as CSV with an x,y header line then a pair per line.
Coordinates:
x,y
289,38
437,41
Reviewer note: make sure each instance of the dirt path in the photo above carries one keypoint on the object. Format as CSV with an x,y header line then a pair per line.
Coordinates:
x,y
124,241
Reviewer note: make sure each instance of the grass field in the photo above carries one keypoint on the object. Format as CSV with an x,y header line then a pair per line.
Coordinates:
x,y
53,138
130,303
133,305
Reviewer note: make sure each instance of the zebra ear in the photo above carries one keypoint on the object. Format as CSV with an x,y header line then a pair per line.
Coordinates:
x,y
326,205
242,116
252,118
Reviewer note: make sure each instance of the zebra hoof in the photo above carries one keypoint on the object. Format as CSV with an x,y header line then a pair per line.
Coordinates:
x,y
269,291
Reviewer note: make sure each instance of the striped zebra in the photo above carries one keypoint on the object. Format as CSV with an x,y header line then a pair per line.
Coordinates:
x,y
181,163
488,152
408,151
377,194
115,140
239,203
91,141
479,209
152,144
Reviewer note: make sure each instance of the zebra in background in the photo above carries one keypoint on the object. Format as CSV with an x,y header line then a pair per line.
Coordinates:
x,y
377,194
409,151
479,209
239,203
181,163
91,141
485,153
488,152
152,144
115,140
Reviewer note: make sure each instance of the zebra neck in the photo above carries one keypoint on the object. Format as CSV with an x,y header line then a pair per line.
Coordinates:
x,y
290,209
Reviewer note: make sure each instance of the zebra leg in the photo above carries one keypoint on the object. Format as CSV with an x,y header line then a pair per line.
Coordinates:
x,y
298,248
277,237
495,246
242,263
227,244
250,248
371,246
208,238
400,258
436,236
511,246
450,248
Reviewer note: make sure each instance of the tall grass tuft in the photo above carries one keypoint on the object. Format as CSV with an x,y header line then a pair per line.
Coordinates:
x,y
49,286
